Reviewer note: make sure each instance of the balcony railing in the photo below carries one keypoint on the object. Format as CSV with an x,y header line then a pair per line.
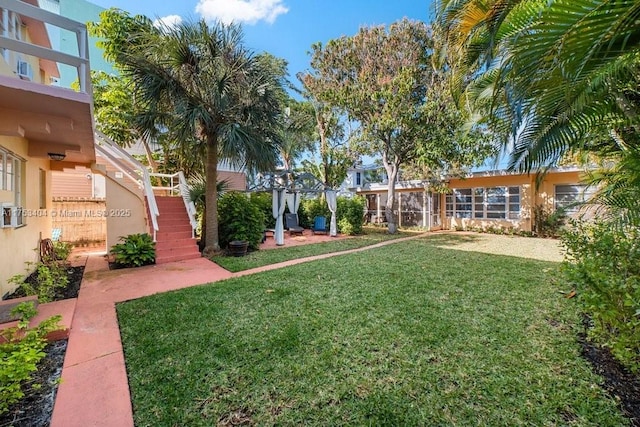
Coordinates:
x,y
80,61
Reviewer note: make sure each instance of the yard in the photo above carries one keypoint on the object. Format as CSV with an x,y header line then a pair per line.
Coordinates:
x,y
418,333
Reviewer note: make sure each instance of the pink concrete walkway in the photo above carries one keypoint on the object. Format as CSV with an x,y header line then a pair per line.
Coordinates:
x,y
94,390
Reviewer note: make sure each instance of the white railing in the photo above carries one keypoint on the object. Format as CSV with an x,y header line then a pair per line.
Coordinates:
x,y
80,62
131,168
177,186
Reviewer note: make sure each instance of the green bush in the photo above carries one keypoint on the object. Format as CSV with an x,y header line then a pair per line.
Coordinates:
x,y
44,282
135,250
20,353
547,222
350,211
603,264
62,250
239,219
264,202
311,208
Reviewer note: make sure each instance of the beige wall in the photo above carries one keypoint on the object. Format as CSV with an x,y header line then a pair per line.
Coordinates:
x,y
527,190
17,244
530,196
125,212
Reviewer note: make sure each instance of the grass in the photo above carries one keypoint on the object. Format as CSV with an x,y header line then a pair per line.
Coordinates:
x,y
273,256
408,334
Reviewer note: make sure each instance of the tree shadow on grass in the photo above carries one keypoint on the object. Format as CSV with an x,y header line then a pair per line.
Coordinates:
x,y
451,239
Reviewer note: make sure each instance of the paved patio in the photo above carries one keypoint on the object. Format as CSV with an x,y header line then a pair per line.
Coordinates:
x,y
94,390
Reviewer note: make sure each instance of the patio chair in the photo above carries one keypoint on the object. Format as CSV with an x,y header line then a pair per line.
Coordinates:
x,y
291,223
319,225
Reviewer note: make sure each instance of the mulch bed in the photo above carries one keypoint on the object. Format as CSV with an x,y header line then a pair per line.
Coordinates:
x,y
618,381
71,291
36,407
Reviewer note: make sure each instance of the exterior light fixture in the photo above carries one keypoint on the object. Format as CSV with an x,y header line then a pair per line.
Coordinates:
x,y
58,157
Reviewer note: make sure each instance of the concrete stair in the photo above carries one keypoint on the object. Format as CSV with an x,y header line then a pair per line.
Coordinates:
x,y
173,239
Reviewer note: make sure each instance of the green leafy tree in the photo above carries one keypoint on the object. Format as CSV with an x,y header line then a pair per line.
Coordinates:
x,y
210,94
384,79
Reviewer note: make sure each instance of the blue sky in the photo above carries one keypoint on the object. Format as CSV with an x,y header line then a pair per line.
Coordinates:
x,y
284,28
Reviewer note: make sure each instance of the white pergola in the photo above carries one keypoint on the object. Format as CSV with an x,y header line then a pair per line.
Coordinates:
x,y
287,188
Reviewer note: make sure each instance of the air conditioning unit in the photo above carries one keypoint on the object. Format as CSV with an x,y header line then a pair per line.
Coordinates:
x,y
25,71
11,216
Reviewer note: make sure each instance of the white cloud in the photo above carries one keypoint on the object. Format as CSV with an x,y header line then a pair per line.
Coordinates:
x,y
241,11
170,21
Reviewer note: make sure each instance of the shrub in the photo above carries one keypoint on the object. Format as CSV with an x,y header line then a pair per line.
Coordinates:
x,y
351,211
20,353
135,250
264,202
603,264
44,282
239,219
61,250
547,222
311,208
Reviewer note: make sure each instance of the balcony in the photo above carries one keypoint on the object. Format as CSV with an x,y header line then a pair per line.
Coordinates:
x,y
51,118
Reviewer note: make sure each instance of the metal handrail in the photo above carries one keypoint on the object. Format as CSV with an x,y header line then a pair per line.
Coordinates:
x,y
154,213
180,188
188,203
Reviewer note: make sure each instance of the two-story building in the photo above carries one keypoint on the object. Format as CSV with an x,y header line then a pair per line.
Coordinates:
x,y
42,127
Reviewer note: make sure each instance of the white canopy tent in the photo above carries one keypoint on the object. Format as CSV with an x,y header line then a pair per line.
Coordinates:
x,y
278,205
287,189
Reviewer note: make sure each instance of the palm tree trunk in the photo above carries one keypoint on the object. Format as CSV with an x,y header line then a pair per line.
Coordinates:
x,y
211,197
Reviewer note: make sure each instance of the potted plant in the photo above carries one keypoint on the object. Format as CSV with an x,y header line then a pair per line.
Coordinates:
x,y
238,247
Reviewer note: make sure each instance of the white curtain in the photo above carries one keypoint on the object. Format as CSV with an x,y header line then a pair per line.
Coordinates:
x,y
277,211
332,202
293,201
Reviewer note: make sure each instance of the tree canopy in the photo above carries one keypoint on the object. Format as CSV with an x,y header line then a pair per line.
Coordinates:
x,y
202,87
386,80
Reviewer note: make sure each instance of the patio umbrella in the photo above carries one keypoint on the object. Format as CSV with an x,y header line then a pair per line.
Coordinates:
x,y
332,201
293,201
277,211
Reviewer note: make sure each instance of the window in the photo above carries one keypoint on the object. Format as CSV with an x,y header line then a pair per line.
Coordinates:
x,y
11,173
358,178
484,203
568,197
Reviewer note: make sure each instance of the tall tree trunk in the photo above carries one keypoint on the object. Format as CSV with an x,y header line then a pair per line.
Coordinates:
x,y
392,174
322,131
211,243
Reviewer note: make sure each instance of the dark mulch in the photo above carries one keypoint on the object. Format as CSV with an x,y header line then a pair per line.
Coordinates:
x,y
36,407
71,291
618,381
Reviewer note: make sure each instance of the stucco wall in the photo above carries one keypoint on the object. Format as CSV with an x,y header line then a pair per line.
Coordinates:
x,y
527,199
17,244
125,212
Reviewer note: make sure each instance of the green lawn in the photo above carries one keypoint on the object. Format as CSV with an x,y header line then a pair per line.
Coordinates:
x,y
273,256
407,334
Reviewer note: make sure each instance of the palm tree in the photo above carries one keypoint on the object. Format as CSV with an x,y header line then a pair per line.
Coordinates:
x,y
211,94
552,75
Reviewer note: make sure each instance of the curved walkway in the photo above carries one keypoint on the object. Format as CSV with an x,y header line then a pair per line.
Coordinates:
x,y
94,390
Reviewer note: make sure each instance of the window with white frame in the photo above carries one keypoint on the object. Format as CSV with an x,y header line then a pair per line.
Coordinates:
x,y
568,197
484,203
11,174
